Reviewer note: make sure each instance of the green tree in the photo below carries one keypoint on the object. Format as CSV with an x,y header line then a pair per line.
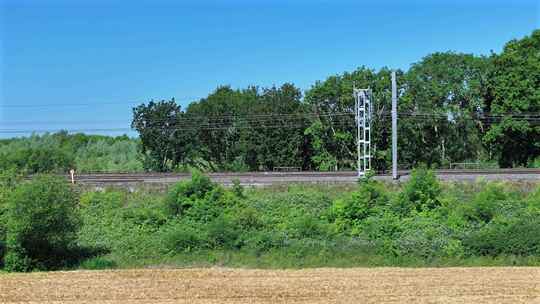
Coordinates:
x,y
275,136
515,92
255,129
220,118
440,108
333,130
167,138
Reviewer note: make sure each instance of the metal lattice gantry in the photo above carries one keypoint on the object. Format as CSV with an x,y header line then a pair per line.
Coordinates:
x,y
363,109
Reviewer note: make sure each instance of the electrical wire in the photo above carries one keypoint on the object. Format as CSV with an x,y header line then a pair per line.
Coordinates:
x,y
93,104
282,120
258,117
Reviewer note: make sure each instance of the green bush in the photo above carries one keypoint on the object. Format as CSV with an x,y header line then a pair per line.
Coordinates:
x,y
37,160
101,217
260,241
97,263
2,240
369,200
148,213
306,226
425,237
516,234
486,203
8,181
237,188
534,199
420,192
535,163
247,217
42,224
382,229
185,194
184,237
223,233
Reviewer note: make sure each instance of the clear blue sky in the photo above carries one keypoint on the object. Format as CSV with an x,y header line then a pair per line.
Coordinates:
x,y
114,54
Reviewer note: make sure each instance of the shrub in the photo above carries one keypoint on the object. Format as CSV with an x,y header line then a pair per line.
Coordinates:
x,y
261,241
306,226
486,203
40,159
8,181
124,224
370,198
110,155
184,194
98,263
420,192
184,237
223,233
42,223
101,218
425,237
237,188
146,213
382,229
246,217
2,239
517,234
211,206
534,199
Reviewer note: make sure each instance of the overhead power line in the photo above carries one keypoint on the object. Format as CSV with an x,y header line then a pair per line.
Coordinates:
x,y
87,104
276,120
198,119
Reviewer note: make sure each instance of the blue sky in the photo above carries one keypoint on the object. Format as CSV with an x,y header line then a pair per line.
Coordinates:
x,y
107,56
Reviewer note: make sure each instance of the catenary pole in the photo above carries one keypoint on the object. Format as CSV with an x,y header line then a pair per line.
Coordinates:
x,y
394,127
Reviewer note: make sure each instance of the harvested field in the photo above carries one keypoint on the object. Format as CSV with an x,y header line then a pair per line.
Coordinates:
x,y
217,285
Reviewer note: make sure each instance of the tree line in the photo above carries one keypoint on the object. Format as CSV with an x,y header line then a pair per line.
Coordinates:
x,y
453,107
61,151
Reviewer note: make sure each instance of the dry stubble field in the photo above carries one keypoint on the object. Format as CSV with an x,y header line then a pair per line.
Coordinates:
x,y
218,285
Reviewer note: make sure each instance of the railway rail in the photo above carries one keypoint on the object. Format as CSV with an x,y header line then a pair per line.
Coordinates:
x,y
267,178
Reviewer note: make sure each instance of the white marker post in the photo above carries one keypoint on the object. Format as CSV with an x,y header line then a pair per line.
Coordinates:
x,y
72,173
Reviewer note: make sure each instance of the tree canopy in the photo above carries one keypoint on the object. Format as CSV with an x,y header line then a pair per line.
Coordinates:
x,y
453,108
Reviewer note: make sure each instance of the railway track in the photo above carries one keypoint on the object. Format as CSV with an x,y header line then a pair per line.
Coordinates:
x,y
266,178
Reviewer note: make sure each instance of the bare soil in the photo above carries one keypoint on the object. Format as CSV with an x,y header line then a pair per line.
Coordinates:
x,y
326,285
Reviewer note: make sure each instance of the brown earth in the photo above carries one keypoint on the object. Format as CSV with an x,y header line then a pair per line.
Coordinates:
x,y
326,285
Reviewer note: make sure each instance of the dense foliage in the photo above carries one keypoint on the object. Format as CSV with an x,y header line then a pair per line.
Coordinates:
x,y
47,225
40,223
60,152
420,222
514,89
250,129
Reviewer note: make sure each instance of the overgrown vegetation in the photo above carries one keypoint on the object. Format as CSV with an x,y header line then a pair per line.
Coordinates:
x,y
46,224
60,152
39,224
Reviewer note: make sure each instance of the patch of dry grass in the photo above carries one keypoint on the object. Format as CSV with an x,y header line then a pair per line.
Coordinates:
x,y
217,285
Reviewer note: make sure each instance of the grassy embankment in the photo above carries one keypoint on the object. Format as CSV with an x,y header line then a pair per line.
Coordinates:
x,y
198,223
